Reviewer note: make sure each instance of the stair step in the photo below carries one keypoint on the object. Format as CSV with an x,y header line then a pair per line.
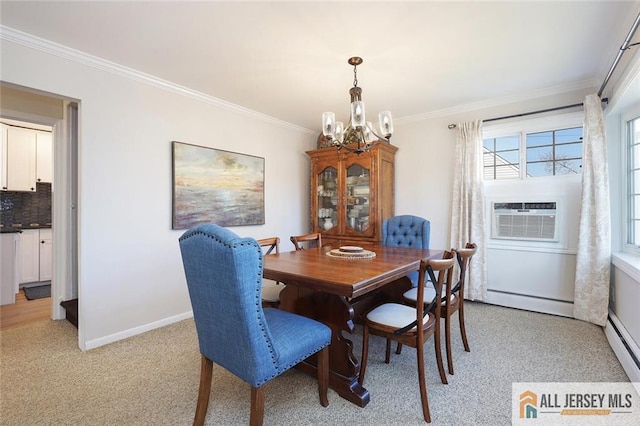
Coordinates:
x,y
71,308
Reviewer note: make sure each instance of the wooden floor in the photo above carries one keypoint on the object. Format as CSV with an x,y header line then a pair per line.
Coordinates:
x,y
24,311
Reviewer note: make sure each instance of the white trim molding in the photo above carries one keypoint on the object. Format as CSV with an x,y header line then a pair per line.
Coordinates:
x,y
563,308
627,263
96,343
55,49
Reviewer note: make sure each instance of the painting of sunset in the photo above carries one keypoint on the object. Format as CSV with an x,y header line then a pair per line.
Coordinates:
x,y
215,186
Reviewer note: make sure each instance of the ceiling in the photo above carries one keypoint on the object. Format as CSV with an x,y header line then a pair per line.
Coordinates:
x,y
288,60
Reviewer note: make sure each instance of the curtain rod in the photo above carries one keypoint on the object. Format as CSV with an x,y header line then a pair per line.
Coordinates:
x,y
540,111
625,46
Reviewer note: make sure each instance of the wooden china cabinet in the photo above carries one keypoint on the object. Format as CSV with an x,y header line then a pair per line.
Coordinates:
x,y
352,194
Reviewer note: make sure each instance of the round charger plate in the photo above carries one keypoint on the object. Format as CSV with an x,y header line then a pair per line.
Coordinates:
x,y
364,254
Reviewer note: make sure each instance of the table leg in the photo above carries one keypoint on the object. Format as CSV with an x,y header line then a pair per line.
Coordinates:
x,y
337,313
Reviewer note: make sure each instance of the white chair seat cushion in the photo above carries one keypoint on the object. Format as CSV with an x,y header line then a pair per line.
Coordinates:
x,y
271,293
394,315
429,294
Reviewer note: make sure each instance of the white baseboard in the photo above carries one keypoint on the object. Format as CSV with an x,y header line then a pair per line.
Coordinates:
x,y
623,346
92,344
530,303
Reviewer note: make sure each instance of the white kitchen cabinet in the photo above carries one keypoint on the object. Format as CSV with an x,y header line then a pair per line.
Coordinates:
x,y
35,255
46,255
8,268
26,157
29,256
20,159
44,157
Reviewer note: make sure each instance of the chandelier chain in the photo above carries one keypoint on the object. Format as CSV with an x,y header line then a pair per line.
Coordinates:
x,y
355,76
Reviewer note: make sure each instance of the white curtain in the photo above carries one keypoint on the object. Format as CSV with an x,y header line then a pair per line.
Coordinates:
x,y
467,209
593,262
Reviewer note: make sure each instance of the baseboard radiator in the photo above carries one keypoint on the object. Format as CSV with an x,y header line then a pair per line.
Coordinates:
x,y
528,302
626,350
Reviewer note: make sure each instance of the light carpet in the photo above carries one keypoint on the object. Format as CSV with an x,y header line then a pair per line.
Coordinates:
x,y
152,379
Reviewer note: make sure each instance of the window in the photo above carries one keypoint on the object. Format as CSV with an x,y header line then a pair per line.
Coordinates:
x,y
501,157
530,154
557,152
633,181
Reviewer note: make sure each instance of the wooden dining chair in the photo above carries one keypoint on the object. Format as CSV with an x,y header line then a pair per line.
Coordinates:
x,y
271,290
313,240
412,326
455,301
452,300
255,344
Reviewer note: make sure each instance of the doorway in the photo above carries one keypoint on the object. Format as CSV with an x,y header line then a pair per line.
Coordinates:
x,y
26,200
27,105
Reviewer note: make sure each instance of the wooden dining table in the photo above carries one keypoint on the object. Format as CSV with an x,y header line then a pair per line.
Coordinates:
x,y
335,291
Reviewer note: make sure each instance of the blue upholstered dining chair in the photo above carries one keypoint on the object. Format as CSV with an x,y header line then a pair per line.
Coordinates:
x,y
224,278
407,231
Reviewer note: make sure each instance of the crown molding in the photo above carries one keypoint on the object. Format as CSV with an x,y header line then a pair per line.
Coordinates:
x,y
496,102
18,37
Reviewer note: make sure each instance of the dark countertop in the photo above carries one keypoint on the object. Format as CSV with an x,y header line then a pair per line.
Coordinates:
x,y
24,227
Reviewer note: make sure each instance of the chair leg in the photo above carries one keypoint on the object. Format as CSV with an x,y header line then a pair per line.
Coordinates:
x,y
423,384
387,352
436,341
257,406
323,375
399,348
463,331
206,371
365,354
447,338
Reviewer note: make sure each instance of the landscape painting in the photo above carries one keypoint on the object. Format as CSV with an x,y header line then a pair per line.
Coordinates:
x,y
216,186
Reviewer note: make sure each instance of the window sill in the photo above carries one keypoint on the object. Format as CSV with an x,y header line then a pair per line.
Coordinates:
x,y
628,263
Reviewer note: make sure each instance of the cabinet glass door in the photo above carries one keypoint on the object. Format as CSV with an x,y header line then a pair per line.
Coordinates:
x,y
327,198
358,185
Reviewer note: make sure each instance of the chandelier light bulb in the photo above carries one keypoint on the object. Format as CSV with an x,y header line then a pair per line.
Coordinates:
x,y
386,123
357,114
368,133
339,134
329,125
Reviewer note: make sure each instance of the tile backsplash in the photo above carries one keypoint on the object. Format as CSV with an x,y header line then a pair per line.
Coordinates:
x,y
26,208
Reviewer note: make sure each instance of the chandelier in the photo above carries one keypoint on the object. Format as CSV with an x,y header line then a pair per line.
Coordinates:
x,y
359,135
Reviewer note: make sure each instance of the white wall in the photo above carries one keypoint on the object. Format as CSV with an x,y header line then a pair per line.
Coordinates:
x,y
130,271
424,187
625,275
424,180
535,275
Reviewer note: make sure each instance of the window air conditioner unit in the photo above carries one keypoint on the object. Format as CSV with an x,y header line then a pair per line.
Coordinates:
x,y
532,221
